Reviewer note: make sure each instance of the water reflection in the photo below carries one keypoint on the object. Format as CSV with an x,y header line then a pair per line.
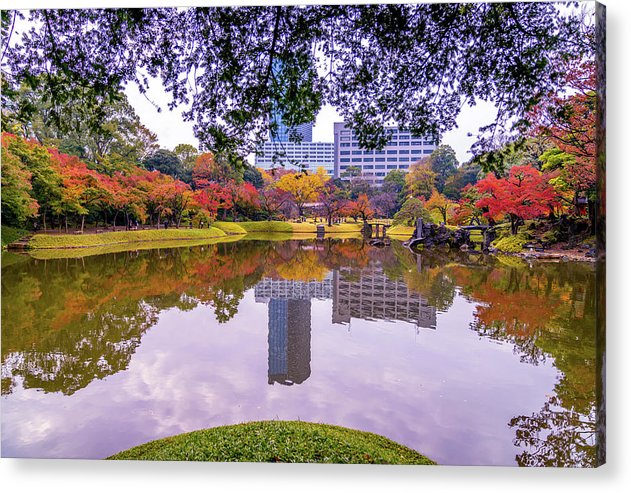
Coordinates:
x,y
68,324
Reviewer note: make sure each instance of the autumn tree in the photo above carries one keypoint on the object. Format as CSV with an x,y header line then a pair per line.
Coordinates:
x,y
438,202
420,180
303,187
360,208
272,200
524,194
333,200
385,204
466,211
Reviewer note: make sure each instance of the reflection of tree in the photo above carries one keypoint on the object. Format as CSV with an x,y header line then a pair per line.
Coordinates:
x,y
546,311
556,437
68,322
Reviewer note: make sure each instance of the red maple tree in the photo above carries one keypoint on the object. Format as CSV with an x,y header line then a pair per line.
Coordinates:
x,y
524,194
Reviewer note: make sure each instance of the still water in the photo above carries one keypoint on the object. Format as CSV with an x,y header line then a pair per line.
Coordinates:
x,y
465,358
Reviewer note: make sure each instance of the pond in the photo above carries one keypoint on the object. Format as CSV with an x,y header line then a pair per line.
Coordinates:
x,y
468,359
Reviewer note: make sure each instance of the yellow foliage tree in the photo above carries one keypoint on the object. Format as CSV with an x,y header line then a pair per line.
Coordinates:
x,y
303,187
421,180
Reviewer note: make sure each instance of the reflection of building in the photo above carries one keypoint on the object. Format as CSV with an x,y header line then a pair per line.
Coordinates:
x,y
289,341
401,150
371,295
289,326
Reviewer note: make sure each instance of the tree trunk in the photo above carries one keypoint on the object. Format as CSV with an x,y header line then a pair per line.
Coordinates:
x,y
66,222
82,222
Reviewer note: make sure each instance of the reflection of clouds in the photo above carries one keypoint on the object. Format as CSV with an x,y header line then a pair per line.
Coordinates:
x,y
446,393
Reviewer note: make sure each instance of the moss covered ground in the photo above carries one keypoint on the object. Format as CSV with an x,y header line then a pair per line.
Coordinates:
x,y
277,441
40,241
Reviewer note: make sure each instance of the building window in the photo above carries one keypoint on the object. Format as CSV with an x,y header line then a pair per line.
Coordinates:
x,y
345,153
404,151
392,166
427,151
357,160
344,167
380,166
403,166
428,142
345,138
357,153
368,166
345,160
368,160
417,151
392,152
416,142
380,159
380,173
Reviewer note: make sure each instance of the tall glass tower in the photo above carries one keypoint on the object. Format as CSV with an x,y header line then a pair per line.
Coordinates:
x,y
283,133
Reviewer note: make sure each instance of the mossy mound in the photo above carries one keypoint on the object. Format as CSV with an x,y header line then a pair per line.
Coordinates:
x,y
230,228
277,441
510,244
120,237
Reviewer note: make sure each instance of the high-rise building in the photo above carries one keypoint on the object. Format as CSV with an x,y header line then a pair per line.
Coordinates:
x,y
296,156
402,150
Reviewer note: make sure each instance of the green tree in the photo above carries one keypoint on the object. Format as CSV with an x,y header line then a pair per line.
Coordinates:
x,y
187,154
17,203
266,57
253,176
466,174
443,162
411,210
164,161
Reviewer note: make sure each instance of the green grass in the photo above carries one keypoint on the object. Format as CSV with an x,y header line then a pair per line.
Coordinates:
x,y
400,230
57,253
119,237
309,227
10,234
266,226
230,228
277,441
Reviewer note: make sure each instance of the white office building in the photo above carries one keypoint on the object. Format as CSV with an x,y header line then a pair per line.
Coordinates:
x,y
296,156
402,150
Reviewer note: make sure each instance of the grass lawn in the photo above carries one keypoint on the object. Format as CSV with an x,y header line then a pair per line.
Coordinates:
x,y
309,227
76,253
277,441
266,226
401,230
10,234
118,237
